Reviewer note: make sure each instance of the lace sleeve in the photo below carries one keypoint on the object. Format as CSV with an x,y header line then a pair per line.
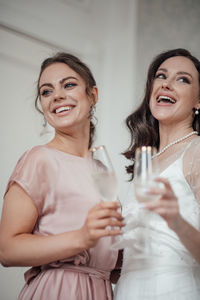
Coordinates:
x,y
191,167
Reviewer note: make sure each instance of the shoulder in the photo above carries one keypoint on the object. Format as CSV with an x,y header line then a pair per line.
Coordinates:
x,y
37,159
37,153
193,149
191,157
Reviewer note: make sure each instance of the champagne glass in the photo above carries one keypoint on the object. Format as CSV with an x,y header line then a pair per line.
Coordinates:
x,y
104,177
145,171
103,173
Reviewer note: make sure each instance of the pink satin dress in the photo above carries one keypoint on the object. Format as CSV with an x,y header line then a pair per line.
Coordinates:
x,y
62,190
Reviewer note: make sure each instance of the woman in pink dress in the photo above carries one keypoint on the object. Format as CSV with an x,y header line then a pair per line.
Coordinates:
x,y
52,217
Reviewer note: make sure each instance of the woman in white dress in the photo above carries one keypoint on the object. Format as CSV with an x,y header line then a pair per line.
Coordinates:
x,y
169,119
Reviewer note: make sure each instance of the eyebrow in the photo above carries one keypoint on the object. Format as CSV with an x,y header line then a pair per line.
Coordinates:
x,y
61,81
178,73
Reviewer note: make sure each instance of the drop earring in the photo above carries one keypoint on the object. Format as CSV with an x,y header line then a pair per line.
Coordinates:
x,y
44,127
92,111
196,112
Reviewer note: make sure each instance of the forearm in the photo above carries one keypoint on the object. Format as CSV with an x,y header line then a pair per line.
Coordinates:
x,y
32,250
19,247
190,237
168,208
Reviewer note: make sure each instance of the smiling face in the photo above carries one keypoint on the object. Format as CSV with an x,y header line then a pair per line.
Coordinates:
x,y
175,91
63,97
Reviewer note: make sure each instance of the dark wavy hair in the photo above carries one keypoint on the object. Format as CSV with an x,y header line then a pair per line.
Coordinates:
x,y
142,125
79,67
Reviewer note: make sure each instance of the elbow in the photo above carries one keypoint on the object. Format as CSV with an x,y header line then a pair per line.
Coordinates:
x,y
5,259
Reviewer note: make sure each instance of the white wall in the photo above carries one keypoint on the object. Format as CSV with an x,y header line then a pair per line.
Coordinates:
x,y
102,33
164,25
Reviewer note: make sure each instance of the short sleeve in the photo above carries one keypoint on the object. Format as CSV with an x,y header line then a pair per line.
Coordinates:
x,y
34,173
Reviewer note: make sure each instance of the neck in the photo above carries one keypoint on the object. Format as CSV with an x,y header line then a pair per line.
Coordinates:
x,y
174,142
73,144
168,135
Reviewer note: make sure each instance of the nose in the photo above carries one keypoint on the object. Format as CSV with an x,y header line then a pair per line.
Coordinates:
x,y
59,94
167,85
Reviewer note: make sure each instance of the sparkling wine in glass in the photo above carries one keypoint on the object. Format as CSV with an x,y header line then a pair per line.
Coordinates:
x,y
145,171
104,177
103,173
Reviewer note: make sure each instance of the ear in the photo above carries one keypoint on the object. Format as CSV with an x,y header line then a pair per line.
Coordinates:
x,y
94,94
197,106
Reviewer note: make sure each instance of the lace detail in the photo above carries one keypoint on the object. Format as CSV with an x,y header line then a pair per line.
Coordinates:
x,y
191,167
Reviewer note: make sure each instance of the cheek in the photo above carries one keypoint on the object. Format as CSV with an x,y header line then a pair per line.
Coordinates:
x,y
151,107
87,100
44,105
151,99
155,86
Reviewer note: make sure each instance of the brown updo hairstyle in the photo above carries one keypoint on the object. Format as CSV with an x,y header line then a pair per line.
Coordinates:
x,y
80,68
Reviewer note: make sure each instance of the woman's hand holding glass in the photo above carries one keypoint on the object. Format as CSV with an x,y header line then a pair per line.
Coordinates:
x,y
105,181
167,206
103,219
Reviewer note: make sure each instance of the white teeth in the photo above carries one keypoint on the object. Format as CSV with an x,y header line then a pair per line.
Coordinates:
x,y
63,108
165,98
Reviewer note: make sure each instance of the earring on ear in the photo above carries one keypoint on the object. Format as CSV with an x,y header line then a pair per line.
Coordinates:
x,y
44,127
196,112
92,111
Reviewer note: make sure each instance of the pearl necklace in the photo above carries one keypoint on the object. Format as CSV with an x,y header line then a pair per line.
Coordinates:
x,y
174,142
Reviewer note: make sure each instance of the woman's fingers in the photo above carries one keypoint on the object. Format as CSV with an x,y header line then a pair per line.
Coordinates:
x,y
97,234
164,209
167,205
105,210
162,202
106,205
106,213
165,191
103,223
104,219
103,216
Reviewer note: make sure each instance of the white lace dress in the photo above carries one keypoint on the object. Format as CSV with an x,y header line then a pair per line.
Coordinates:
x,y
170,273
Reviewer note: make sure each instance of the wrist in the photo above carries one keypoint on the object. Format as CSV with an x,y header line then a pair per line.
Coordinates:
x,y
178,225
81,243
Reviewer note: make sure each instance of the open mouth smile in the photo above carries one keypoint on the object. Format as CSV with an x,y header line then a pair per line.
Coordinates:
x,y
63,108
166,99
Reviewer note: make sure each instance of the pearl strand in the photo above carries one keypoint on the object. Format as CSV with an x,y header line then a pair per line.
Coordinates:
x,y
174,142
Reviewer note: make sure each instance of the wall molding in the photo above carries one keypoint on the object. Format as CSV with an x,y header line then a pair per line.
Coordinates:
x,y
31,37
